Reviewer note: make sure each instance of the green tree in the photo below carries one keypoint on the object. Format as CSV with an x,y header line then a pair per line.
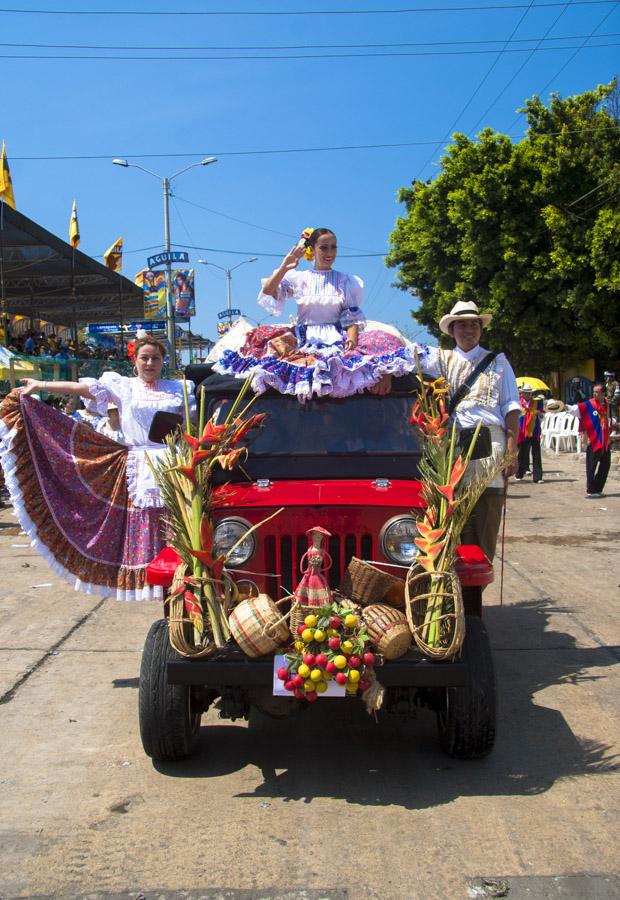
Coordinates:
x,y
531,231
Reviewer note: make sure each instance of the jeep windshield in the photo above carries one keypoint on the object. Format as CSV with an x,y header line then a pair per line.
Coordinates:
x,y
363,436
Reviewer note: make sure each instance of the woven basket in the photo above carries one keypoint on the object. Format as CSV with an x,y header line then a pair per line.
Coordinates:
x,y
435,595
181,632
258,626
388,630
363,583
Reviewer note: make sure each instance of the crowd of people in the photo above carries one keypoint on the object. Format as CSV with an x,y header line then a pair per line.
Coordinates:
x,y
50,346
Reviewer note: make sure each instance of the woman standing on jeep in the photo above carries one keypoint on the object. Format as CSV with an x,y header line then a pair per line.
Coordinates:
x,y
328,350
90,505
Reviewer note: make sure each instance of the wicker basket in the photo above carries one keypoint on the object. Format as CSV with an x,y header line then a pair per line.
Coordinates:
x,y
363,583
258,626
388,630
437,597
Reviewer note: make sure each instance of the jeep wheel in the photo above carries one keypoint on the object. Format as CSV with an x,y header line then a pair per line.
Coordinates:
x,y
169,720
466,721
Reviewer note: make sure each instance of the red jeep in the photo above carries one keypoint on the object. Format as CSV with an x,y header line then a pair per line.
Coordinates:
x,y
350,466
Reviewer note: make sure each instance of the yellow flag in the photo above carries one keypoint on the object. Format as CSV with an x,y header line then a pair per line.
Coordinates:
x,y
6,185
74,228
113,258
139,277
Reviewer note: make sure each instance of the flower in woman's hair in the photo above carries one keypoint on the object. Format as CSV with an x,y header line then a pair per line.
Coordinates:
x,y
305,237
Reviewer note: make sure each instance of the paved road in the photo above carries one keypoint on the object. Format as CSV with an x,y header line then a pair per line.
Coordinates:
x,y
324,805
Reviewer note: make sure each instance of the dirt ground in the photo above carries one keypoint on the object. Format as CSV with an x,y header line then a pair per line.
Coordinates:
x,y
329,804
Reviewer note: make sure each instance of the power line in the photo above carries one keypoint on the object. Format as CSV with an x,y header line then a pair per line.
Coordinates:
x,y
301,12
275,255
518,72
288,56
272,151
268,47
597,188
477,89
287,234
568,61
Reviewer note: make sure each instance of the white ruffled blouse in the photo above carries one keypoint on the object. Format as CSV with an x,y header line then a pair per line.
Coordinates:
x,y
137,405
328,302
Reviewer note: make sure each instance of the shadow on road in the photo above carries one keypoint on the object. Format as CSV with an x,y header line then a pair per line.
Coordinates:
x,y
335,749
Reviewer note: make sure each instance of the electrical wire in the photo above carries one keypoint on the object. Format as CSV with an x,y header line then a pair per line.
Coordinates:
x,y
266,48
273,151
476,90
571,58
422,54
518,72
275,255
301,12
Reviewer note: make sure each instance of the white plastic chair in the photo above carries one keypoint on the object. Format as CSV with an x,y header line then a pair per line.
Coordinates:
x,y
565,434
548,427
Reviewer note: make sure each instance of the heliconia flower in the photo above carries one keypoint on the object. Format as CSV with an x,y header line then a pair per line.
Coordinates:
x,y
447,491
217,567
193,442
416,417
457,471
430,548
189,472
431,534
204,556
199,456
244,427
230,459
194,611
212,434
206,532
426,563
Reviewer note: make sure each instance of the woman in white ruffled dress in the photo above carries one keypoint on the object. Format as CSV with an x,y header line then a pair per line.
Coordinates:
x,y
328,350
90,505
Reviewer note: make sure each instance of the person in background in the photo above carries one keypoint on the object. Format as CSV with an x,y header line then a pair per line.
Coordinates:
x,y
110,425
594,422
528,439
612,395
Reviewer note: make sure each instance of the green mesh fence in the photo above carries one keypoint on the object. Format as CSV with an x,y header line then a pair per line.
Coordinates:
x,y
47,369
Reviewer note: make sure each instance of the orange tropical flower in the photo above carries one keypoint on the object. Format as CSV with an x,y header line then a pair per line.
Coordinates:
x,y
213,434
230,459
244,427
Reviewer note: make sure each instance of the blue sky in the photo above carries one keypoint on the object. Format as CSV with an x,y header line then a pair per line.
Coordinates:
x,y
182,109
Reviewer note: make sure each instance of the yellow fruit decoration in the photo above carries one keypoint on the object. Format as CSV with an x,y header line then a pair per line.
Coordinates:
x,y
321,687
340,662
299,646
310,621
347,647
354,676
351,688
319,635
303,670
316,675
350,621
309,685
307,635
327,676
333,632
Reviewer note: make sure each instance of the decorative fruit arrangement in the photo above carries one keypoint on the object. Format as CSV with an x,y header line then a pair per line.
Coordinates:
x,y
331,644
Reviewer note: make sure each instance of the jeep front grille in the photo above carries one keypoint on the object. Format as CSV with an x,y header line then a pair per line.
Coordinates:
x,y
283,555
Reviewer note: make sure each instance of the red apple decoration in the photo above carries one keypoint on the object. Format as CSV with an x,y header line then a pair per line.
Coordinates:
x,y
369,659
321,660
334,643
341,678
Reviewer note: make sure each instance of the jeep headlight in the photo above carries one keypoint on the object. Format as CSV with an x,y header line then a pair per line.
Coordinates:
x,y
226,535
397,539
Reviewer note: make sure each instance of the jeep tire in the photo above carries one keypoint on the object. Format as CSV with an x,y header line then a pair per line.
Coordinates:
x,y
466,721
169,722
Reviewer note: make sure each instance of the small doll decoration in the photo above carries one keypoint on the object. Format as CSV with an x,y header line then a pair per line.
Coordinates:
x,y
313,589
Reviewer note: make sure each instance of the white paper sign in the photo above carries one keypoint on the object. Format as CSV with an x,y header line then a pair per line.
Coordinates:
x,y
333,688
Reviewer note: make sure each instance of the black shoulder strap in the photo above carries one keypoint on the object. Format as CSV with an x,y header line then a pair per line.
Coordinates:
x,y
463,390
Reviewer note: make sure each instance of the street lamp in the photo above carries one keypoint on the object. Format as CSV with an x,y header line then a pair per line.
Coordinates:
x,y
228,277
165,182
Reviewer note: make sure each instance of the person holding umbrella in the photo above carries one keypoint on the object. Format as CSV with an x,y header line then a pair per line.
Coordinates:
x,y
528,439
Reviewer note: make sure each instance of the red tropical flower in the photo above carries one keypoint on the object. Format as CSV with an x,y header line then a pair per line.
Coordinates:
x,y
213,434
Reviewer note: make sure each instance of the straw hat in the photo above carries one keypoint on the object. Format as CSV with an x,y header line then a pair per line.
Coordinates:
x,y
526,389
463,309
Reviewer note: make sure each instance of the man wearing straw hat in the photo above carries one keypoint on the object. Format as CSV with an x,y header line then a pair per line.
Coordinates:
x,y
483,388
